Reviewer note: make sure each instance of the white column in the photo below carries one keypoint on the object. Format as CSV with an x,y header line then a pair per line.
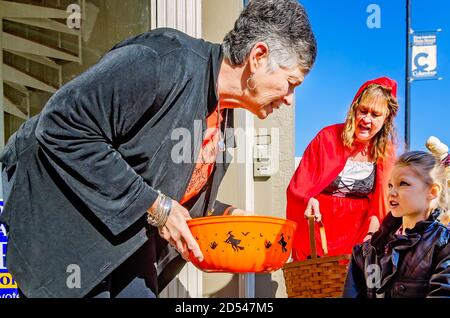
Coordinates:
x,y
245,120
183,15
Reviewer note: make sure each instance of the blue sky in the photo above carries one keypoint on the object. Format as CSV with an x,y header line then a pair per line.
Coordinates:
x,y
349,53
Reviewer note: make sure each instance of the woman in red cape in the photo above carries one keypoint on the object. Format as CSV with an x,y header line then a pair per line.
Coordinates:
x,y
342,177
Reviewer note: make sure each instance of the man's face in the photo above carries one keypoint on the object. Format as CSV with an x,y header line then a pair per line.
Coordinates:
x,y
273,88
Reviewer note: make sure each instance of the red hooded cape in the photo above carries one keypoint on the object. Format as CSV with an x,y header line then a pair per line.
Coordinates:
x,y
322,161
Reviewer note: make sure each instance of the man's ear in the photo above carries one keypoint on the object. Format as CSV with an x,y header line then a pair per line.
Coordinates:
x,y
258,56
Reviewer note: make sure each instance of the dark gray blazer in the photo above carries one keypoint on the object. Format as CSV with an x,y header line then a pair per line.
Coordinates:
x,y
82,173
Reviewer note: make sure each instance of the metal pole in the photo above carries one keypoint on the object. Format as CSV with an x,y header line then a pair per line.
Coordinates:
x,y
408,78
247,285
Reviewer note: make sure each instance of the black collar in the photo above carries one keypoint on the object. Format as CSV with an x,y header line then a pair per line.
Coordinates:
x,y
391,224
216,57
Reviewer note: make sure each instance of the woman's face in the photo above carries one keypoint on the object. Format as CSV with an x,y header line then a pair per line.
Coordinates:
x,y
370,116
272,90
408,193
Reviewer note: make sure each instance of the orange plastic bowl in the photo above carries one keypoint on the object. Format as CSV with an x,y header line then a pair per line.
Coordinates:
x,y
242,244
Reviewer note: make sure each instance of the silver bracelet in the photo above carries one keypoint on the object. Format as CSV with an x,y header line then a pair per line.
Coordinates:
x,y
157,217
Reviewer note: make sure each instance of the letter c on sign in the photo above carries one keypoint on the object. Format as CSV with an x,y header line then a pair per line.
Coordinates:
x,y
420,67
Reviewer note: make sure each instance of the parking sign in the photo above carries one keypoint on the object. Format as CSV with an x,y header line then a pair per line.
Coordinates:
x,y
8,287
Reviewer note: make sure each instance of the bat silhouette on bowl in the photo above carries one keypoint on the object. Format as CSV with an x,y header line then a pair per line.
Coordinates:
x,y
242,244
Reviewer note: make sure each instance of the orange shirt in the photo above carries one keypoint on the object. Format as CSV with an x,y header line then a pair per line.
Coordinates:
x,y
204,165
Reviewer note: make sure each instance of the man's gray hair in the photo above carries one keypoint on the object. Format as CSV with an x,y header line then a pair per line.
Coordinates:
x,y
282,24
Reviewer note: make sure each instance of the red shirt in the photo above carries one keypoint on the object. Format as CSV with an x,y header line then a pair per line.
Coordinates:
x,y
204,165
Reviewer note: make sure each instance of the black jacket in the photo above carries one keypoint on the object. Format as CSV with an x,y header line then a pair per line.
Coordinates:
x,y
414,265
86,169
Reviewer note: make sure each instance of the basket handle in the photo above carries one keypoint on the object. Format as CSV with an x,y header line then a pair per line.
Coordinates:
x,y
312,237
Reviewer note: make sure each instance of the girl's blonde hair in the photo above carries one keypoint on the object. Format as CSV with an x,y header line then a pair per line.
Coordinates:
x,y
432,171
387,133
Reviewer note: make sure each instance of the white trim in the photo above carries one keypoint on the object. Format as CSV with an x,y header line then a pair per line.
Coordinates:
x,y
183,15
246,197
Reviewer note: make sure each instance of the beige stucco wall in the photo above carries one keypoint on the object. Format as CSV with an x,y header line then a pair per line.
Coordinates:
x,y
270,193
218,18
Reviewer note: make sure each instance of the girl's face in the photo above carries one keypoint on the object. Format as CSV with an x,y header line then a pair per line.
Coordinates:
x,y
409,194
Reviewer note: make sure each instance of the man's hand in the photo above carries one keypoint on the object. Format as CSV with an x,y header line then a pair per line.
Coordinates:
x,y
312,209
177,233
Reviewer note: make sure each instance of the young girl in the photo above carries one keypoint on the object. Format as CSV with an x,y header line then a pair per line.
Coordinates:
x,y
410,255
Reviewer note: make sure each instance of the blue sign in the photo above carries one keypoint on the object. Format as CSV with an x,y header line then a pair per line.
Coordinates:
x,y
8,287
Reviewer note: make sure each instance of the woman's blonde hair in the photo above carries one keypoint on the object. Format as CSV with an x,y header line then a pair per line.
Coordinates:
x,y
432,171
387,133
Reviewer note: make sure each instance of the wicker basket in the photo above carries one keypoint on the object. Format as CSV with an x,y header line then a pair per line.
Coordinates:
x,y
316,277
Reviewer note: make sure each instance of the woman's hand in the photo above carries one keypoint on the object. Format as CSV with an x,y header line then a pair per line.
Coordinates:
x,y
177,233
312,209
